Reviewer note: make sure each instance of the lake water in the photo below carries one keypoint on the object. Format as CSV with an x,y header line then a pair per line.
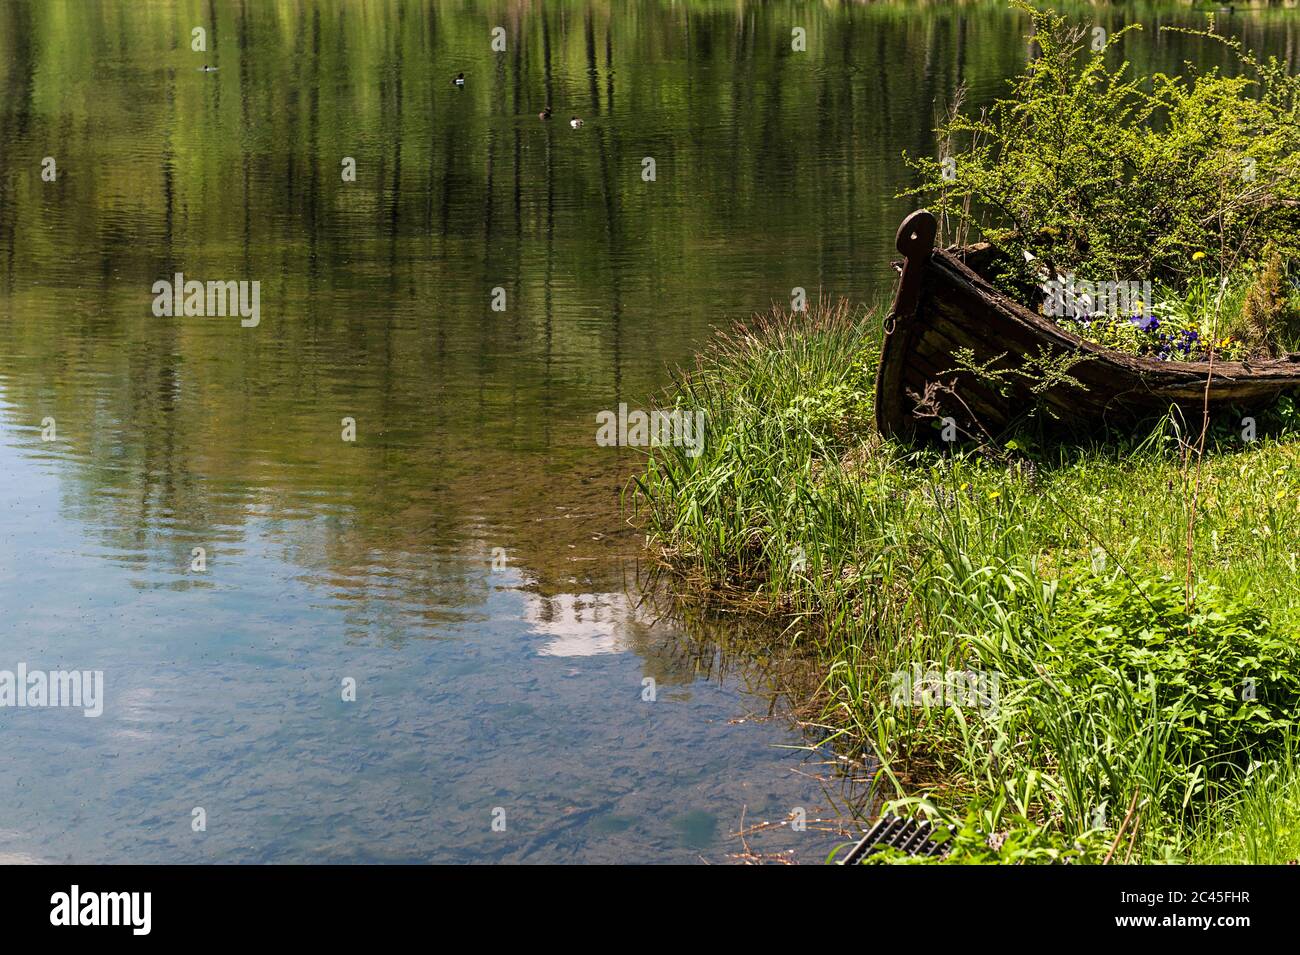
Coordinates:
x,y
467,560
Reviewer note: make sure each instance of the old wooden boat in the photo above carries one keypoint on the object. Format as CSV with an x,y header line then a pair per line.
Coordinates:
x,y
948,318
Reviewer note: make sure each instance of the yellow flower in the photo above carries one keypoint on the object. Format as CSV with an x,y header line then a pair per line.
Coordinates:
x,y
1197,256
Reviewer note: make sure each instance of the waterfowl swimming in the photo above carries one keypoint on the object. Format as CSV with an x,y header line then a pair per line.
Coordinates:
x,y
460,79
575,122
545,114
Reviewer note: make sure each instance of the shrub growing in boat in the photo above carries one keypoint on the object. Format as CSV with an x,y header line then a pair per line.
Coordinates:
x,y
1087,172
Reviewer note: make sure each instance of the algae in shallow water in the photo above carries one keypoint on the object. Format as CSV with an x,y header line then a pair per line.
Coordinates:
x,y
697,829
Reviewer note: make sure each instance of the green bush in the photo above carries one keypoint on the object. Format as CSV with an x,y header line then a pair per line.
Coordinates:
x,y
1219,673
839,412
1108,175
1117,698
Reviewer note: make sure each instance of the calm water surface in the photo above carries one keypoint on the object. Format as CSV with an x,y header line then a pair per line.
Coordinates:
x,y
518,686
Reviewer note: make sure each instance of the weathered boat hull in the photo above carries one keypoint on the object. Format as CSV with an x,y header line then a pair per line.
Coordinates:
x,y
946,308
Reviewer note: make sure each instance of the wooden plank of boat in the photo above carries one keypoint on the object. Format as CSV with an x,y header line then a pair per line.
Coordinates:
x,y
944,303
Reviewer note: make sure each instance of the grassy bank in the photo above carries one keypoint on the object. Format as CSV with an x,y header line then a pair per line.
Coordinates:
x,y
1062,651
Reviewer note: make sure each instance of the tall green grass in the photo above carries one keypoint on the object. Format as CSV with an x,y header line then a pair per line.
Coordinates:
x,y
1060,570
1261,826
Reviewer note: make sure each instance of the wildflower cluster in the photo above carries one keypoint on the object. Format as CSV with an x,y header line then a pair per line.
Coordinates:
x,y
1162,331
